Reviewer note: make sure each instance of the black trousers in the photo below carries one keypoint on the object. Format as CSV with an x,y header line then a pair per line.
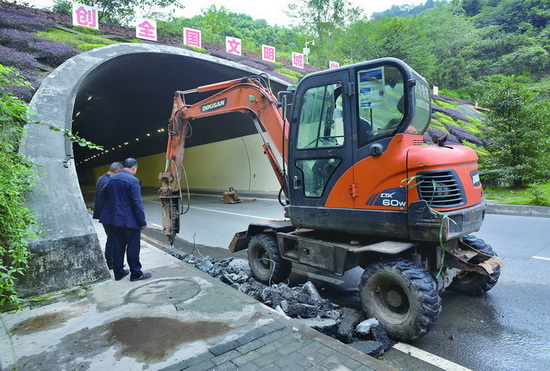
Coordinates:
x,y
126,240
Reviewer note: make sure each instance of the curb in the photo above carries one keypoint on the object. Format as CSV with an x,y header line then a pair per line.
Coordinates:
x,y
518,210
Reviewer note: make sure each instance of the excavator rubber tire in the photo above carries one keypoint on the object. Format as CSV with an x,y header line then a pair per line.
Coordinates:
x,y
473,283
265,261
402,296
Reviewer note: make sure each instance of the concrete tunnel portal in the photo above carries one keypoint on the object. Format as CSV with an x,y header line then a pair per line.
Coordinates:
x,y
120,97
124,105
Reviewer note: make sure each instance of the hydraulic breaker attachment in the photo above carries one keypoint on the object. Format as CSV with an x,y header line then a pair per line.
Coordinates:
x,y
169,199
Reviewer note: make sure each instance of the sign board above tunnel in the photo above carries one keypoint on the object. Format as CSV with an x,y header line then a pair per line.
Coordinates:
x,y
233,45
146,29
86,16
192,37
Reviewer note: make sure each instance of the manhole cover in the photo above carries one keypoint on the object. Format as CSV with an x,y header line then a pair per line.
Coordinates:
x,y
162,292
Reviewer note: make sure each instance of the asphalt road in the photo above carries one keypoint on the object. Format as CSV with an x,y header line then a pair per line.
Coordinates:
x,y
506,329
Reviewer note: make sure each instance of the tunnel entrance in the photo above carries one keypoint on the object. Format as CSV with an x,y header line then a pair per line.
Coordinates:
x,y
120,97
124,105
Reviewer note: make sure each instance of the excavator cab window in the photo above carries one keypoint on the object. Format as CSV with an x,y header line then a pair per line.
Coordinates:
x,y
381,100
321,119
321,126
422,106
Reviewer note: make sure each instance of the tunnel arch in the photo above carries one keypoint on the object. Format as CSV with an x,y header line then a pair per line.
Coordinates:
x,y
104,95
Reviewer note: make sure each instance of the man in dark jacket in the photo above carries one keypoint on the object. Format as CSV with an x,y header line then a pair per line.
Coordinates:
x,y
123,210
98,206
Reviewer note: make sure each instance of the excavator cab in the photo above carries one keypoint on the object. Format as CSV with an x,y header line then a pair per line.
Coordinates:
x,y
353,133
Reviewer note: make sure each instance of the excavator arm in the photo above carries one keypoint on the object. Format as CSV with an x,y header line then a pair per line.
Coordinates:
x,y
246,95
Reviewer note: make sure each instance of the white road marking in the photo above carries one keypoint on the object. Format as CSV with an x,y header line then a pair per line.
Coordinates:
x,y
229,213
429,358
541,258
156,225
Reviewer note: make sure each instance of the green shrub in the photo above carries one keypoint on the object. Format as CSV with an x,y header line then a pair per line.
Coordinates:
x,y
86,47
290,73
76,40
195,49
16,179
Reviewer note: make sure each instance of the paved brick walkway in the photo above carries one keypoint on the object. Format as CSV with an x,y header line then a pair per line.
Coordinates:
x,y
279,346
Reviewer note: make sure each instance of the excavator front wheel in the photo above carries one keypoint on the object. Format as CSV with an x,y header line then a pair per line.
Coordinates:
x,y
265,260
402,296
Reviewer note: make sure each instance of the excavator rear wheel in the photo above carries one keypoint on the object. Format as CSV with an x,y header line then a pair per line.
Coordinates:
x,y
473,283
265,261
402,296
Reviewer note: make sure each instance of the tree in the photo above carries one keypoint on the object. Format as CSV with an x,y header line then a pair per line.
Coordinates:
x,y
516,15
519,140
324,21
216,20
472,7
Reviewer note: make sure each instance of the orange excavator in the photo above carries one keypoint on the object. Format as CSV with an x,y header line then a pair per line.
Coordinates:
x,y
358,186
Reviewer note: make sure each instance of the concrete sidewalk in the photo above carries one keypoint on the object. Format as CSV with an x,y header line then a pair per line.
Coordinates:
x,y
179,319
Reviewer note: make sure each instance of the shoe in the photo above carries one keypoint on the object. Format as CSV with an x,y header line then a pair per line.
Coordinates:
x,y
144,276
126,272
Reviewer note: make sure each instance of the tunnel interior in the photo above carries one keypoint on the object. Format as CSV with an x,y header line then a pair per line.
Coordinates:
x,y
124,105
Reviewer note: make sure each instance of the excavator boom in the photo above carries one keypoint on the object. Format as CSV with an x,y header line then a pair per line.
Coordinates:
x,y
246,95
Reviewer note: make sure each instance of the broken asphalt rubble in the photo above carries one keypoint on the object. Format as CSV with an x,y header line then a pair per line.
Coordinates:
x,y
302,302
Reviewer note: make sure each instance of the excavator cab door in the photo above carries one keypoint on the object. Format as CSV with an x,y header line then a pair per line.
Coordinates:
x,y
320,149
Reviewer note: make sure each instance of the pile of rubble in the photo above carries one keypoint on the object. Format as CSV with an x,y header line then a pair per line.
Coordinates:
x,y
302,302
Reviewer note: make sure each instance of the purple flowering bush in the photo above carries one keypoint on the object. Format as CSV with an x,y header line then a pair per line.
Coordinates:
x,y
259,64
254,64
436,134
427,138
23,21
463,134
228,56
454,114
14,58
52,53
446,99
17,39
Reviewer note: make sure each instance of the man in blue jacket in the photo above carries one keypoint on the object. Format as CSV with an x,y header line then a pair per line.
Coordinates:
x,y
123,210
98,207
